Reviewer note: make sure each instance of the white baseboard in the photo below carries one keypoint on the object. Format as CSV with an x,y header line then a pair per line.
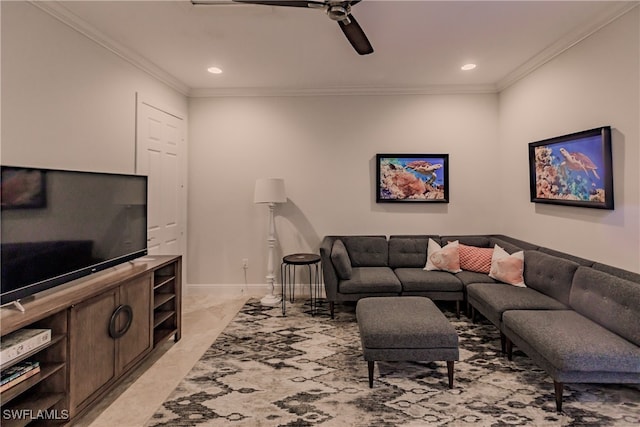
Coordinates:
x,y
226,289
256,289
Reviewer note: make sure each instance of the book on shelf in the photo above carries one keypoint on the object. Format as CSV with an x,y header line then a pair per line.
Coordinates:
x,y
17,370
18,373
21,342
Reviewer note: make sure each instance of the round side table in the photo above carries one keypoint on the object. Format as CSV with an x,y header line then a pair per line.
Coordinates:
x,y
288,274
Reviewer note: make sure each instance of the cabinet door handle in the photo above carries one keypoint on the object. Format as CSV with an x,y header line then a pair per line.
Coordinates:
x,y
113,332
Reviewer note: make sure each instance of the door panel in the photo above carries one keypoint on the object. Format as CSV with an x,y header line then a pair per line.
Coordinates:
x,y
155,232
171,203
160,156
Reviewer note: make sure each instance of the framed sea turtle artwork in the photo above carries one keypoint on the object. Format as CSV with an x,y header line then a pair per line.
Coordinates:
x,y
573,170
412,178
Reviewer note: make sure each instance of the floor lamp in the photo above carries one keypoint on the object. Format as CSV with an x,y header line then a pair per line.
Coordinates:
x,y
270,191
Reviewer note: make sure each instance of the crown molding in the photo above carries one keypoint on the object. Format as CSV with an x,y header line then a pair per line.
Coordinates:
x,y
571,39
68,18
344,91
73,21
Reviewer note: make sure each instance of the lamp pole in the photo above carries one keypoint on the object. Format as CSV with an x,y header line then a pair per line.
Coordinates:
x,y
270,191
271,299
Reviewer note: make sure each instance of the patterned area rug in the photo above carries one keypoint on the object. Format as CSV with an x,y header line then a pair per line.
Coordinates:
x,y
299,370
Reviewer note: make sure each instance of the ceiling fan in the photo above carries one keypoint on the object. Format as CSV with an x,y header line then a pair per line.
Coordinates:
x,y
339,11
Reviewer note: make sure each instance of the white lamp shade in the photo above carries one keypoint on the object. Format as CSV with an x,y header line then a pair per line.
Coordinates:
x,y
269,190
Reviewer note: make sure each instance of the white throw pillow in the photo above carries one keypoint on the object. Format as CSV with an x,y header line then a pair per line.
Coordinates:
x,y
507,268
439,258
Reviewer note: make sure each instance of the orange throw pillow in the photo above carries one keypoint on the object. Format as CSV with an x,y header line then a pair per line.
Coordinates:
x,y
475,259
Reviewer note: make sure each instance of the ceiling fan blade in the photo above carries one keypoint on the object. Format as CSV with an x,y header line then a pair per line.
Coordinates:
x,y
355,35
288,3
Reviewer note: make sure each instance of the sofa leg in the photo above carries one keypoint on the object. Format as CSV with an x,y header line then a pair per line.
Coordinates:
x,y
468,310
332,308
458,309
509,348
503,343
450,364
559,387
370,365
473,315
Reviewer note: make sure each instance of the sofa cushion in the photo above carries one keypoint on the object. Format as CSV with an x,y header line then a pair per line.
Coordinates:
x,y
507,246
576,259
570,342
507,268
469,277
446,258
520,244
367,251
420,280
618,272
548,274
340,260
609,301
479,241
408,251
473,258
493,299
367,280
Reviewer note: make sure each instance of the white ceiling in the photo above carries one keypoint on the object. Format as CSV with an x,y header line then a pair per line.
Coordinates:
x,y
419,45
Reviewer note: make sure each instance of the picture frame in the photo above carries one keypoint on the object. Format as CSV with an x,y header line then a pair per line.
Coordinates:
x,y
22,188
412,178
573,170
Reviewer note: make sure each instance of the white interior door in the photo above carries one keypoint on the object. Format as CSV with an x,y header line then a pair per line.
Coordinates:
x,y
160,156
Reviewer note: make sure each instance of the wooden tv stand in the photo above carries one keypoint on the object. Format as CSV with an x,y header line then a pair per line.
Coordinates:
x,y
102,327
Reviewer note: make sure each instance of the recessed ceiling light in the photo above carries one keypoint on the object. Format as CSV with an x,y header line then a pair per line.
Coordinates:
x,y
214,70
467,67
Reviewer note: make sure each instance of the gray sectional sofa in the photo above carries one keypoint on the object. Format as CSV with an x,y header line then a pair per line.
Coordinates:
x,y
577,319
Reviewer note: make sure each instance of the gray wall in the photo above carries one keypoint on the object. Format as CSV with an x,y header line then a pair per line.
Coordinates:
x,y
595,83
324,147
68,102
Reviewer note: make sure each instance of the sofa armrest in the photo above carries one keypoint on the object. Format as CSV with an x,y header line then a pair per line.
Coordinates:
x,y
329,273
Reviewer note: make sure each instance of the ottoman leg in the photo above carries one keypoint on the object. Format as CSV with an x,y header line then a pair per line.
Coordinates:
x,y
370,365
450,364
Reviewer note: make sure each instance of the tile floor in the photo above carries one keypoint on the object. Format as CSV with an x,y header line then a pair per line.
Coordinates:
x,y
134,401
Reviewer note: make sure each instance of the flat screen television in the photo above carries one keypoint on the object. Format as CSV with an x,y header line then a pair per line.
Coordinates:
x,y
60,225
574,169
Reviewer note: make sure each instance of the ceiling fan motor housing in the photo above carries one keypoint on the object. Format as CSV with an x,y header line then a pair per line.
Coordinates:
x,y
338,11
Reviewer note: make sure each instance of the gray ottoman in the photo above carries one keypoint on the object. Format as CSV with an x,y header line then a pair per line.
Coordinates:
x,y
405,328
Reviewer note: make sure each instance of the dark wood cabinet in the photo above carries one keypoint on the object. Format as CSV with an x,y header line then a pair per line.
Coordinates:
x,y
92,350
103,326
137,340
107,339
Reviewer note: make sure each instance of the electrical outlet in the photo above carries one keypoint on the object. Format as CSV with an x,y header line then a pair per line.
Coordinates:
x,y
245,263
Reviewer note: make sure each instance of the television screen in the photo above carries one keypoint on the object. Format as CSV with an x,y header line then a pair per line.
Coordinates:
x,y
59,225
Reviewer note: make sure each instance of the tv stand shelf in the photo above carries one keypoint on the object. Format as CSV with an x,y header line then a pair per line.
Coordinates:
x,y
54,340
45,400
46,370
84,360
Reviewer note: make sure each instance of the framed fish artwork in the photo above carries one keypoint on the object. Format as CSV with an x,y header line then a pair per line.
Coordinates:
x,y
412,178
573,170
